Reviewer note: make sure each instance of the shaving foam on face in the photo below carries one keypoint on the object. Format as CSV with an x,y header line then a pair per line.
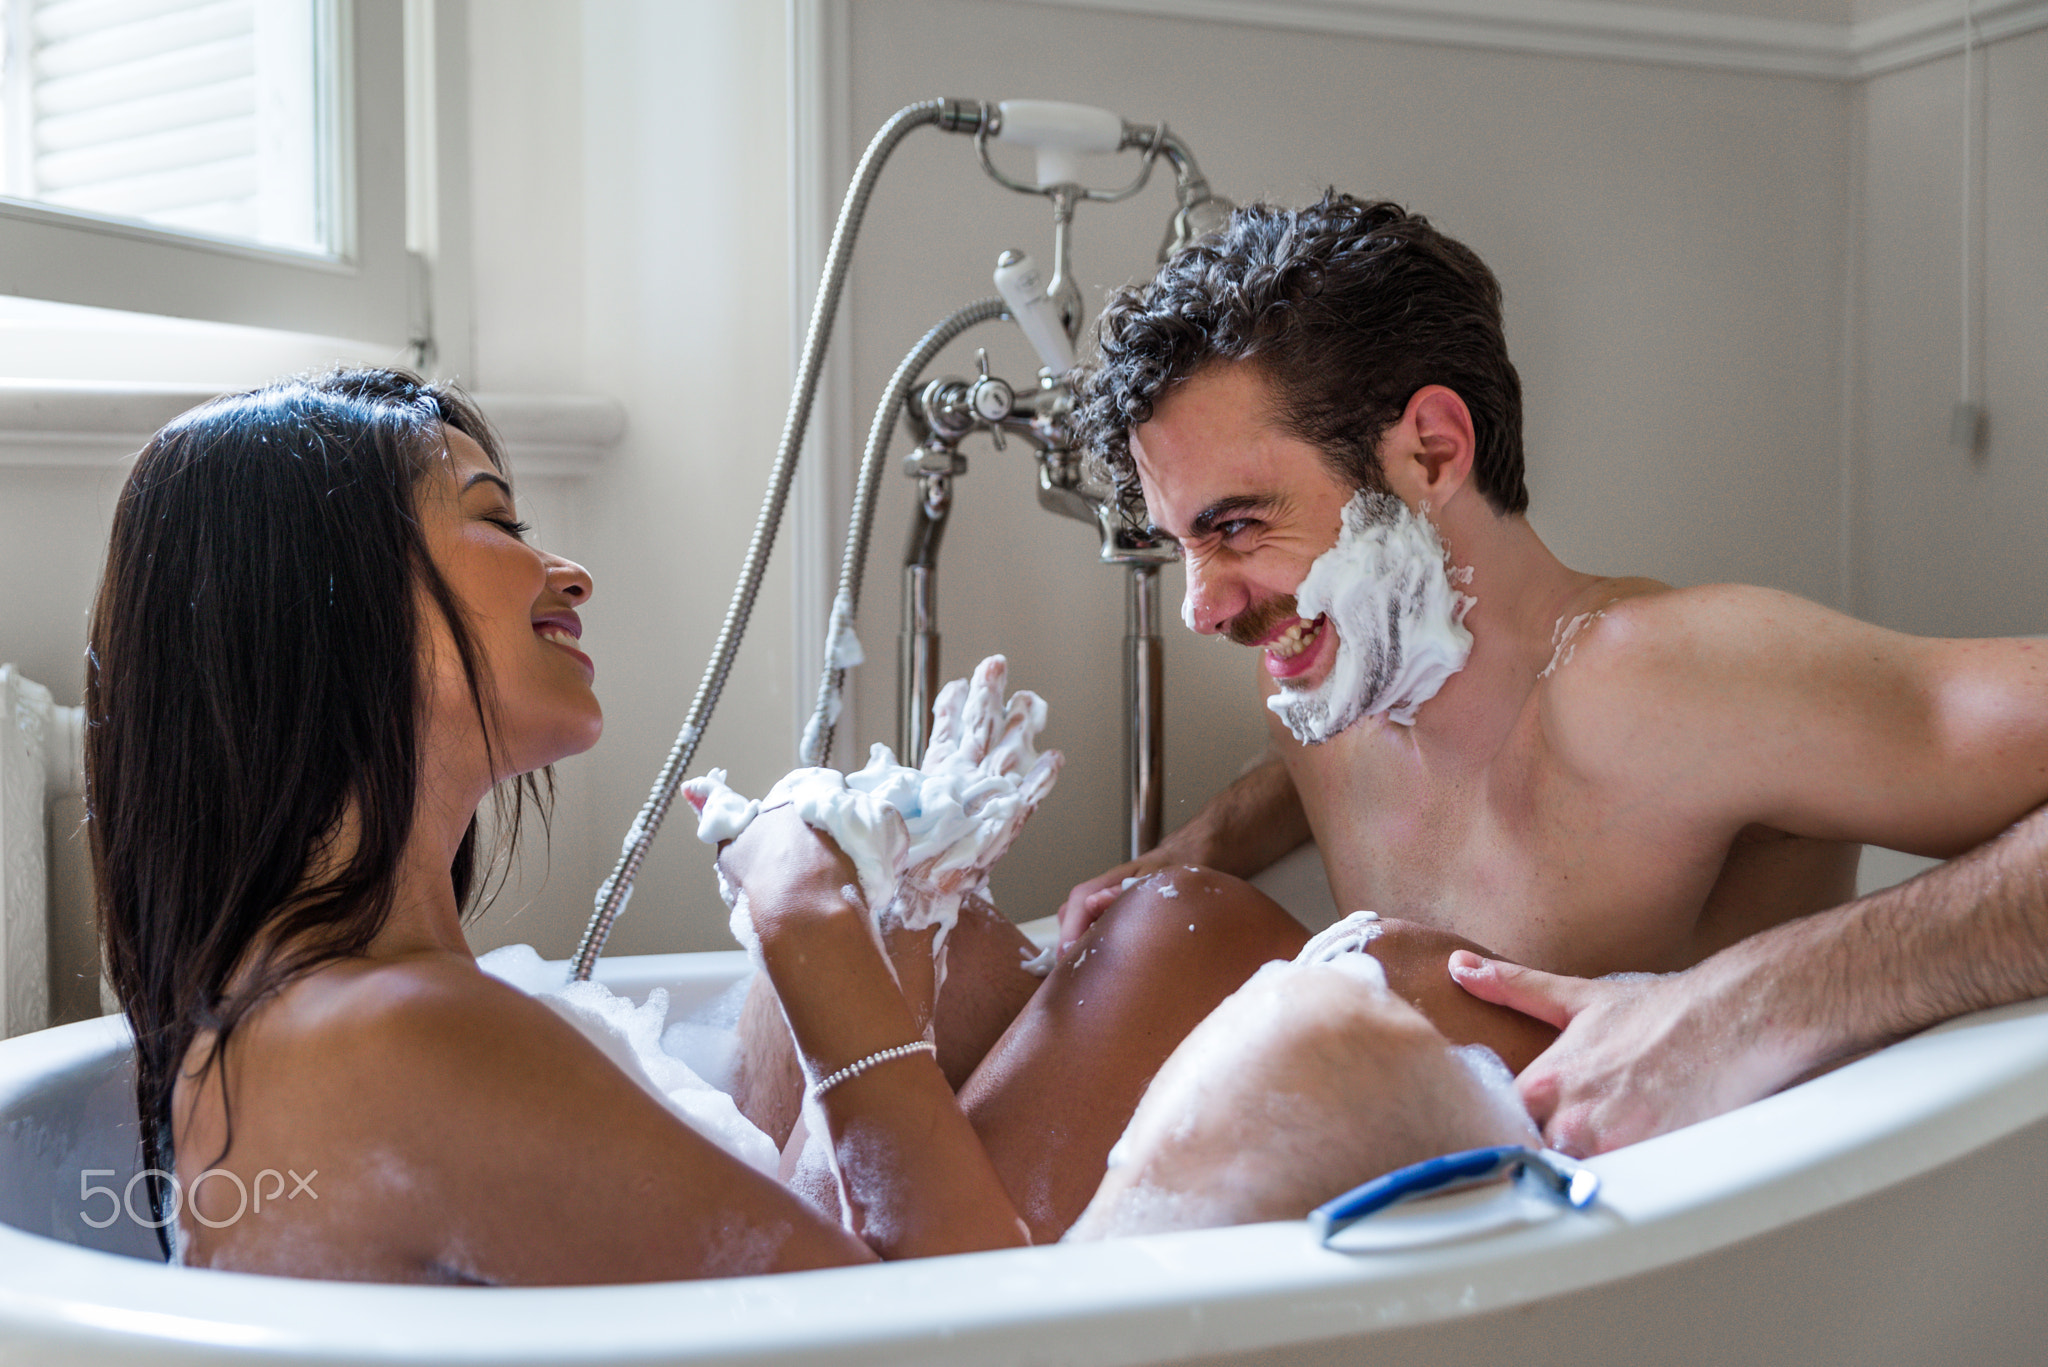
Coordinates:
x,y
1386,588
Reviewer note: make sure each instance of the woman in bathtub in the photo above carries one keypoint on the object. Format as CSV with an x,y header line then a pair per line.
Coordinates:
x,y
320,642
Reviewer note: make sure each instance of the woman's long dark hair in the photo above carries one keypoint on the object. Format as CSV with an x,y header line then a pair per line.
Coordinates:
x,y
254,693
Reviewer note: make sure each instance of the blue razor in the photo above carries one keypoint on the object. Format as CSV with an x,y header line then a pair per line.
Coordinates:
x,y
1574,1185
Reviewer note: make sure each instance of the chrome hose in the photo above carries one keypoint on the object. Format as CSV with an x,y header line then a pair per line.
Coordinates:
x,y
617,889
817,742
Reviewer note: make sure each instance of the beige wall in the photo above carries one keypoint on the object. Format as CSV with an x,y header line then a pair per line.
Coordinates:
x,y
1675,246
1952,543
683,205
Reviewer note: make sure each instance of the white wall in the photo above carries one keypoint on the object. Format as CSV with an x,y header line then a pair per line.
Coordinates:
x,y
646,216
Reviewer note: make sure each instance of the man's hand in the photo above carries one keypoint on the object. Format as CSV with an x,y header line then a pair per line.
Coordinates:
x,y
1090,899
1639,1054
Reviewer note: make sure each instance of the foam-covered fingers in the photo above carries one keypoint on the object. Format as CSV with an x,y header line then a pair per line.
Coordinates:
x,y
1547,997
984,710
1023,719
1038,783
721,813
945,724
1004,823
701,790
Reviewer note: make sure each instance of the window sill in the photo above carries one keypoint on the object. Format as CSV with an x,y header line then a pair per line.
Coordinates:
x,y
90,424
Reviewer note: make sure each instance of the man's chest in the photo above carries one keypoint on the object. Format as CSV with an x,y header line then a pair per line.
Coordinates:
x,y
1511,853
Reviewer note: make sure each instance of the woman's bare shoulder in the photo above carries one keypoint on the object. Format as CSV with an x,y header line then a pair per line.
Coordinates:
x,y
395,1030
530,1157
412,1019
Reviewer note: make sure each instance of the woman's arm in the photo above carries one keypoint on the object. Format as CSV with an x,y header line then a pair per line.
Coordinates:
x,y
915,1179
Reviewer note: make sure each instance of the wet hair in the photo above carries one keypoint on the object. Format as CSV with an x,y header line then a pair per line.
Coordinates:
x,y
1346,308
254,696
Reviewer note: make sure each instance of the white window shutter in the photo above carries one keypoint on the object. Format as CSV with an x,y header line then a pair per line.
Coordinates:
x,y
164,156
191,114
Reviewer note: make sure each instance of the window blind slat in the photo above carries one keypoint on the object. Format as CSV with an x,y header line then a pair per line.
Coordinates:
x,y
200,115
145,196
126,158
229,59
59,19
155,113
227,218
161,35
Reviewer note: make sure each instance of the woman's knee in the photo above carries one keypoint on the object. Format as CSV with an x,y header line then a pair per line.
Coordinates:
x,y
1306,1081
985,987
1209,925
1417,963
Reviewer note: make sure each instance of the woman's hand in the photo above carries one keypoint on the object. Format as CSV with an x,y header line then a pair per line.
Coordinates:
x,y
786,867
776,869
981,780
821,950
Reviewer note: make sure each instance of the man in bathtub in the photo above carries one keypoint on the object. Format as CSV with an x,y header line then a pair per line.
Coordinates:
x,y
1576,774
1583,775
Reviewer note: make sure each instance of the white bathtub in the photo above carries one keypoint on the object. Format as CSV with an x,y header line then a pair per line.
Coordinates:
x,y
1889,1212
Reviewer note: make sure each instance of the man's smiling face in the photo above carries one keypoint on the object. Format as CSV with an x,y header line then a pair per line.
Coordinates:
x,y
1252,507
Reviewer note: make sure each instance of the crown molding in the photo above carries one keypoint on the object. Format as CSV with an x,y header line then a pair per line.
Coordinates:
x,y
1928,31
1615,31
58,424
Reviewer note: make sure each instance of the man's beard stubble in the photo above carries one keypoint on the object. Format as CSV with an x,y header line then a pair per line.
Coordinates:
x,y
1256,622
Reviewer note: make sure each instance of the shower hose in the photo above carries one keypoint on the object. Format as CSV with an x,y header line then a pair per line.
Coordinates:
x,y
617,888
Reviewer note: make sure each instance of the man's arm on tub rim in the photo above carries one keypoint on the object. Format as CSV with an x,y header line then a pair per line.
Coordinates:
x,y
1639,1058
1239,831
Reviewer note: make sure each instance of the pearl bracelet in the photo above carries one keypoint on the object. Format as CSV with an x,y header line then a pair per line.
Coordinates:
x,y
859,1066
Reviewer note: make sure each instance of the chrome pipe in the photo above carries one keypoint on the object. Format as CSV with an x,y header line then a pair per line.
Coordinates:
x,y
1145,709
817,743
918,659
918,656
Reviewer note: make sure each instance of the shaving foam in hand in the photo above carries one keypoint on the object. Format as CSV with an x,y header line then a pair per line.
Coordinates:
x,y
922,840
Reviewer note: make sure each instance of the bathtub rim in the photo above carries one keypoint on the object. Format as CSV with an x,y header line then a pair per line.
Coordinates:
x,y
1895,1115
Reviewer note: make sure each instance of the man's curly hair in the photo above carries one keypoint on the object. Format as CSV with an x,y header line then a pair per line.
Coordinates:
x,y
1347,308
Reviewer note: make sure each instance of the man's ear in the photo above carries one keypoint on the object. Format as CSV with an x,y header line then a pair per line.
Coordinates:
x,y
1428,454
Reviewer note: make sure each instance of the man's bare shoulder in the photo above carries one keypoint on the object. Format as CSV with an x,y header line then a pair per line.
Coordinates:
x,y
1653,664
1641,619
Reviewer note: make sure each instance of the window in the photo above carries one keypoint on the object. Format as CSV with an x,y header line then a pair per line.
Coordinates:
x,y
239,161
